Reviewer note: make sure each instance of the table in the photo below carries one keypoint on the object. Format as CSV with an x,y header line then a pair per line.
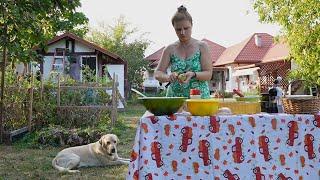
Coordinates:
x,y
259,146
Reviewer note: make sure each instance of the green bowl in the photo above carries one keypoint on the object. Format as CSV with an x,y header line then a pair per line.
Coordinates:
x,y
249,98
162,105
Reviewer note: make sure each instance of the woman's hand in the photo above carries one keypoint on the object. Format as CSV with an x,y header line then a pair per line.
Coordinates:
x,y
172,77
164,77
185,77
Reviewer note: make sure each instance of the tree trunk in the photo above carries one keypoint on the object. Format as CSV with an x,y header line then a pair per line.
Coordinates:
x,y
3,68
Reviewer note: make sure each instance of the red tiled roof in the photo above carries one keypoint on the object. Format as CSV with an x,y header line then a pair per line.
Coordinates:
x,y
215,50
277,52
230,54
155,56
85,42
246,51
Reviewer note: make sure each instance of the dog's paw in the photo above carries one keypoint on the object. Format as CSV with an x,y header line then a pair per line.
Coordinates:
x,y
73,171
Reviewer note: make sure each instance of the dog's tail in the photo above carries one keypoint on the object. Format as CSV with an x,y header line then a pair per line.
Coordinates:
x,y
62,169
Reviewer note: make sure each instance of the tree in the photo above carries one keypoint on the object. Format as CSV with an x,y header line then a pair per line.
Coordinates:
x,y
300,27
116,40
25,24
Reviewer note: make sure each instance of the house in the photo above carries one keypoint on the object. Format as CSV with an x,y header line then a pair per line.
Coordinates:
x,y
72,52
218,74
275,64
154,58
240,60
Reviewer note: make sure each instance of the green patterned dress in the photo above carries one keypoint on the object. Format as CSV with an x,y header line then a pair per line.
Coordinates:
x,y
181,66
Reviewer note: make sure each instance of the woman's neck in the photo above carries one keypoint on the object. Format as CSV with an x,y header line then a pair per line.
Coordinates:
x,y
186,43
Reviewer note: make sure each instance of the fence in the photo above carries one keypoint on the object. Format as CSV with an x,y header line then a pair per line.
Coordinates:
x,y
17,111
91,106
21,113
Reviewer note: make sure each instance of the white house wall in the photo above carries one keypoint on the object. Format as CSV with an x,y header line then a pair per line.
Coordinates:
x,y
48,60
82,48
118,69
59,44
232,83
47,66
77,48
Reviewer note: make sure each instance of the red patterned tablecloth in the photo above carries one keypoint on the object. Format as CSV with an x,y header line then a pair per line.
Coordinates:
x,y
261,146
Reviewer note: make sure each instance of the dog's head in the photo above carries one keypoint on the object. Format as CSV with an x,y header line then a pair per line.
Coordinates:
x,y
108,144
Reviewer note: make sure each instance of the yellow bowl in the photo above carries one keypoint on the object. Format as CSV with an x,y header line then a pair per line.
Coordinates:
x,y
202,107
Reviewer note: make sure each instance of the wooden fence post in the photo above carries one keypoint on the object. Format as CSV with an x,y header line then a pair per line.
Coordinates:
x,y
3,70
41,87
2,96
58,93
114,100
30,103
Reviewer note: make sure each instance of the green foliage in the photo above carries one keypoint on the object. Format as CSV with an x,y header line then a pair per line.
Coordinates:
x,y
116,39
45,108
57,136
17,101
88,74
76,117
26,24
300,27
87,93
44,111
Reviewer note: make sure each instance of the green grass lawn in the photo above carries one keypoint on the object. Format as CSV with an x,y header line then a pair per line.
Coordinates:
x,y
20,162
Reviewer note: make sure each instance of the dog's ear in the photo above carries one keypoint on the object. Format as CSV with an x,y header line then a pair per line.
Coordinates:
x,y
117,140
100,140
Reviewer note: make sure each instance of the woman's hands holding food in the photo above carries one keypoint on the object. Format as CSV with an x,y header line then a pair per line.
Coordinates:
x,y
185,77
172,77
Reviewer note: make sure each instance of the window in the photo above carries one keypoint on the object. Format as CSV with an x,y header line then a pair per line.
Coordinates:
x,y
58,65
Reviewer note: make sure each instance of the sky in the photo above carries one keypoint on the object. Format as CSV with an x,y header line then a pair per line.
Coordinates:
x,y
225,22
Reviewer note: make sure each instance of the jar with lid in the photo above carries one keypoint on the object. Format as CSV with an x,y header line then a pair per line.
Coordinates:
x,y
195,94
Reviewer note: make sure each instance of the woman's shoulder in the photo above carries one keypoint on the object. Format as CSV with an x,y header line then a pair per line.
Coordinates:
x,y
202,45
170,48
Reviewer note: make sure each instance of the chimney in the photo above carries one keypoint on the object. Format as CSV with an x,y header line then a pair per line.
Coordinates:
x,y
258,40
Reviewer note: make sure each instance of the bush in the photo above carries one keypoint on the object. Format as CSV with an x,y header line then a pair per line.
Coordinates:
x,y
58,136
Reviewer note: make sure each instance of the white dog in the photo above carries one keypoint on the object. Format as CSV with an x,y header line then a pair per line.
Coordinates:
x,y
101,153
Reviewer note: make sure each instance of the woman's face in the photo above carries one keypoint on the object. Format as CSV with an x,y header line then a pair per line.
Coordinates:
x,y
183,30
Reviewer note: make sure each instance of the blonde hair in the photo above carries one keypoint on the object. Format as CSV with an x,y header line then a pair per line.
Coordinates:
x,y
181,14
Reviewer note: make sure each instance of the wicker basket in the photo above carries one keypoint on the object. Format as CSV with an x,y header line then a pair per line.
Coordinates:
x,y
301,105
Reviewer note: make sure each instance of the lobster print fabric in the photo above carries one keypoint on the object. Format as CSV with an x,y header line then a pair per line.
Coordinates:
x,y
260,146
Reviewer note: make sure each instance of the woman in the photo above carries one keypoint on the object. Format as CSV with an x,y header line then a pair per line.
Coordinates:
x,y
188,58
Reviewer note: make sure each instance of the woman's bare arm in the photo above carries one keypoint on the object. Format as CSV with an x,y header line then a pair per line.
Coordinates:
x,y
206,63
161,70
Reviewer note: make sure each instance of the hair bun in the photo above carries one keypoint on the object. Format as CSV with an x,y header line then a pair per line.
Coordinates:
x,y
182,9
